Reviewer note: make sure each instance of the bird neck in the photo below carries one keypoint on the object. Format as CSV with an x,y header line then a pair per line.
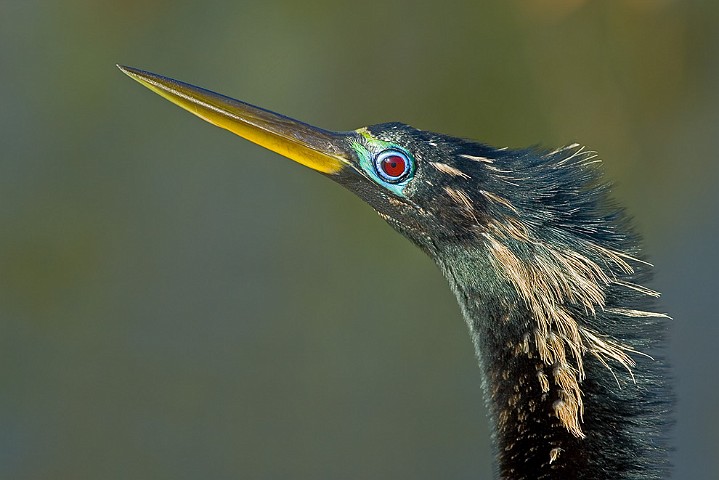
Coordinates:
x,y
565,400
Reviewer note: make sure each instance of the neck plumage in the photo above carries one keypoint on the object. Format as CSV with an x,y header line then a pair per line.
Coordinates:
x,y
571,390
548,275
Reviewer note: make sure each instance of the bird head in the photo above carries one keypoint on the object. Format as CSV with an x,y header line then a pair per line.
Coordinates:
x,y
433,188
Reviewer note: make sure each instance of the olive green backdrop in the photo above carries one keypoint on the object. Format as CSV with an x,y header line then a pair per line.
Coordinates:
x,y
176,303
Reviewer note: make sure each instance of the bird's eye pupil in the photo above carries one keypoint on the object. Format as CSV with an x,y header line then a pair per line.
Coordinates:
x,y
392,165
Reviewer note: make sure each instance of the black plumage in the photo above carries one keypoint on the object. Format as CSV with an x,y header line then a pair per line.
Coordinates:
x,y
560,206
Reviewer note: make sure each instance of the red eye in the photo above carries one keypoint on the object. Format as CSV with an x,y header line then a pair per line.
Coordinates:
x,y
392,165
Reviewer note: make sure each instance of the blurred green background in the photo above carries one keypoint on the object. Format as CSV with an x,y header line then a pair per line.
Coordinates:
x,y
176,303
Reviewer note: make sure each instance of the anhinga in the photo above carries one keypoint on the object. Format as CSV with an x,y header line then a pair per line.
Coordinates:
x,y
546,270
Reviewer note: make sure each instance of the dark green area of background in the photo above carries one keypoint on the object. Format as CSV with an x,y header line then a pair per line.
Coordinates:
x,y
176,303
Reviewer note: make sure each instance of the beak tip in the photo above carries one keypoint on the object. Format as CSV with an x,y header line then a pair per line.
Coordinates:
x,y
134,73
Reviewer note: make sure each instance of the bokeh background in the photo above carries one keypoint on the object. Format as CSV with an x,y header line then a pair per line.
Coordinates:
x,y
176,303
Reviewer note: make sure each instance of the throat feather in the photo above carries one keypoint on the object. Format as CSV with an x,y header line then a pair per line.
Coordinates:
x,y
560,289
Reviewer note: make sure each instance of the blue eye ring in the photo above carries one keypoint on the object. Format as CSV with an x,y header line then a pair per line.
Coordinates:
x,y
393,165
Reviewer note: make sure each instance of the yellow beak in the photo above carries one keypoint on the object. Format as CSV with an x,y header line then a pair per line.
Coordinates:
x,y
313,147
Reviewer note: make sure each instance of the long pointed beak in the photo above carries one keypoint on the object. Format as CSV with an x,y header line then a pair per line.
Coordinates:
x,y
319,149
